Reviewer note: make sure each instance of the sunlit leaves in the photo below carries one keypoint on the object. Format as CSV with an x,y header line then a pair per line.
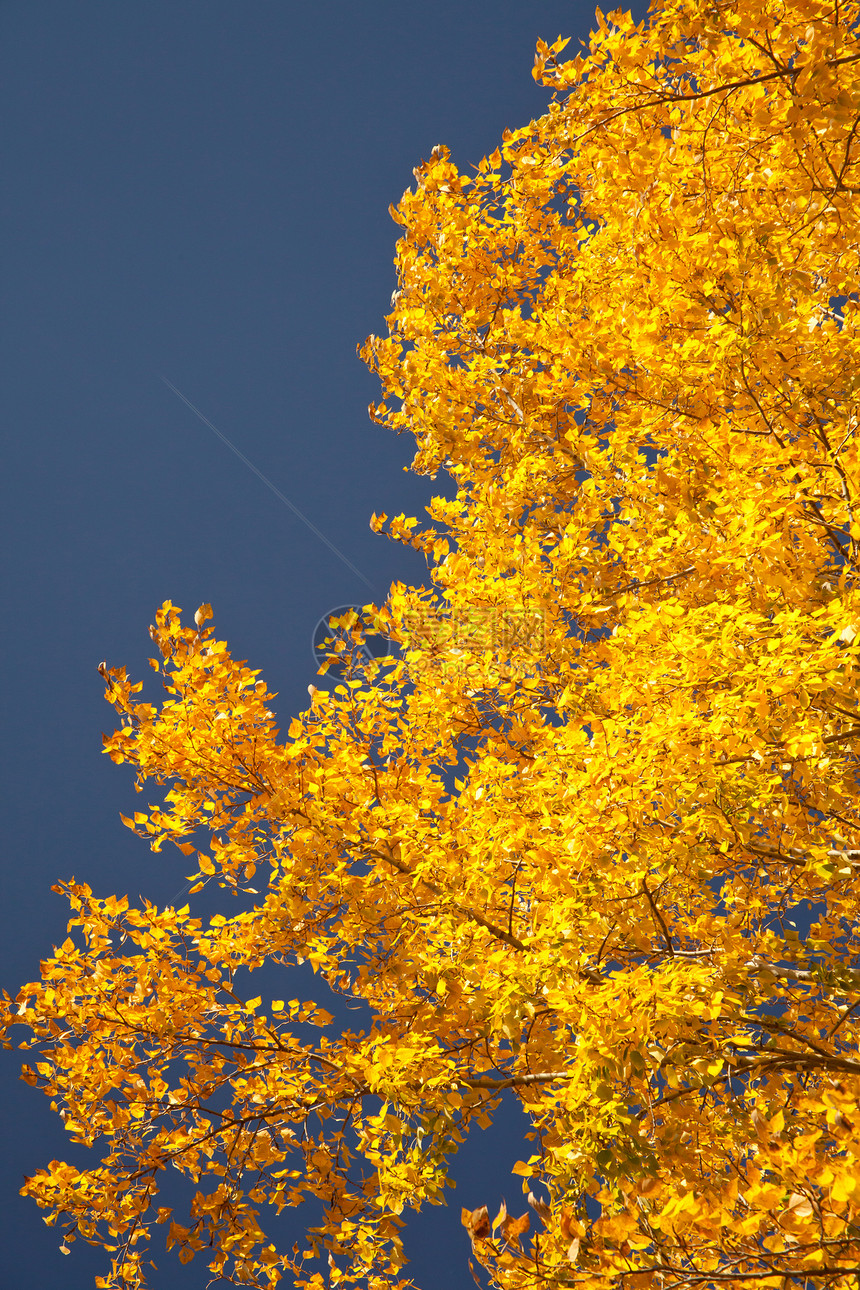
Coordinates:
x,y
589,836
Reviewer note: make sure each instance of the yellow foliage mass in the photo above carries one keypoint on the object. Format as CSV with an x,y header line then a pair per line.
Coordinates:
x,y
591,836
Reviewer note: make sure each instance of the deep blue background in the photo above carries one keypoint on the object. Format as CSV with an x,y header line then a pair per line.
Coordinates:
x,y
201,190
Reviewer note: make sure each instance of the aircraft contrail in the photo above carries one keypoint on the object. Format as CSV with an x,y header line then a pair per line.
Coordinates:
x,y
281,496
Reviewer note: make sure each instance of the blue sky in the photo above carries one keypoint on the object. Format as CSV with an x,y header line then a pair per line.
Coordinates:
x,y
199,191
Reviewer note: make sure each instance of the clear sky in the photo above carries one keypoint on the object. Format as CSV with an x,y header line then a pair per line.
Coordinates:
x,y
198,190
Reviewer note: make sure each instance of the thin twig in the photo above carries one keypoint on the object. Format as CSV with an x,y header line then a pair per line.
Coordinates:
x,y
659,917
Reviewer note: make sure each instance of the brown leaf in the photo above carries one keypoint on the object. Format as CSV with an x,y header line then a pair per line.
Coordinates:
x,y
476,1222
514,1228
540,1207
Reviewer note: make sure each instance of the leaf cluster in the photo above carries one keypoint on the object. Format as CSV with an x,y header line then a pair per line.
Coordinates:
x,y
590,837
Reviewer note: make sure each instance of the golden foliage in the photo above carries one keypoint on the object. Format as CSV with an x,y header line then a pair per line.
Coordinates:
x,y
592,838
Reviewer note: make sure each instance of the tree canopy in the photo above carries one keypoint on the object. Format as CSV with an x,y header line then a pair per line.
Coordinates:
x,y
590,836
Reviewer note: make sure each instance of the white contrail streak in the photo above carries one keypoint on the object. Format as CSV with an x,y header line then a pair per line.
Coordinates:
x,y
281,496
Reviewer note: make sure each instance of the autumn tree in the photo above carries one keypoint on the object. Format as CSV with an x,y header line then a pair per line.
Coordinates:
x,y
590,836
